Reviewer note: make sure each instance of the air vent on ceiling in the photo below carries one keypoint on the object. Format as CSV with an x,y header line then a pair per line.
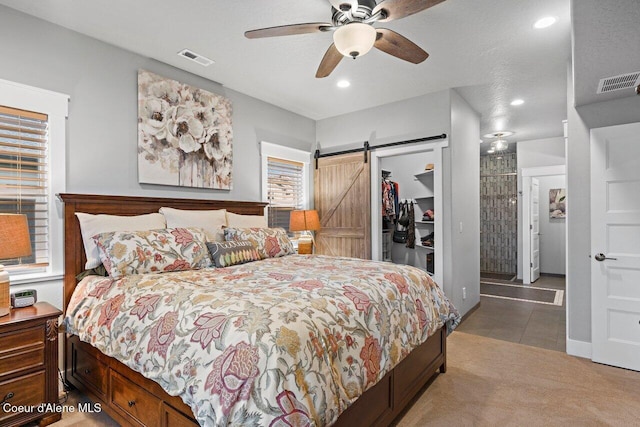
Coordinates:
x,y
195,57
623,81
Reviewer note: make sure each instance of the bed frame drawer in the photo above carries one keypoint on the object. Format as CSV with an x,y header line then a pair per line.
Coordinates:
x,y
135,402
174,418
89,370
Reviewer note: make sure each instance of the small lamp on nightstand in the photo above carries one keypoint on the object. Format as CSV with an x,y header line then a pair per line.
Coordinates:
x,y
14,243
305,221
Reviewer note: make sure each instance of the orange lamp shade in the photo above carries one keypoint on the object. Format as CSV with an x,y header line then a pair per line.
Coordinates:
x,y
14,236
14,243
304,220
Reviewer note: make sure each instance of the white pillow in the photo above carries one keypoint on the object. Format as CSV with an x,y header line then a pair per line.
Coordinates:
x,y
212,222
246,221
90,225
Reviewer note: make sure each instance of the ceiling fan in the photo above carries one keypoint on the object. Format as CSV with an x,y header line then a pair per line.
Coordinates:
x,y
354,34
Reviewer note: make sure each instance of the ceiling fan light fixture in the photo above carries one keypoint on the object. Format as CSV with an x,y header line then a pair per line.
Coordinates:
x,y
354,39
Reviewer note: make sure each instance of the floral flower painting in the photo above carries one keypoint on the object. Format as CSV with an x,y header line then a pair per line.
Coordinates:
x,y
184,134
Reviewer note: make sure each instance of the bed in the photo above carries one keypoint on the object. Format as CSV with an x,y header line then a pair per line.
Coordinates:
x,y
132,398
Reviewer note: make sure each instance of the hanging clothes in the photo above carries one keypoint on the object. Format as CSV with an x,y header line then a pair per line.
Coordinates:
x,y
388,207
411,227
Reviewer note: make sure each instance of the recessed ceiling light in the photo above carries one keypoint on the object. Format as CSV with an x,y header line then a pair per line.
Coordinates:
x,y
344,83
517,102
545,22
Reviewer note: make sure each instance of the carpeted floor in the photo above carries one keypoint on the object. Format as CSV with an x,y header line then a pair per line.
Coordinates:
x,y
498,383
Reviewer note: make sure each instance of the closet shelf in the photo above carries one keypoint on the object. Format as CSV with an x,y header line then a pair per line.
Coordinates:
x,y
424,174
425,247
424,222
423,198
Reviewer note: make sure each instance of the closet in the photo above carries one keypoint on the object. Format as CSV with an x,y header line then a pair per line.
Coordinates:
x,y
410,222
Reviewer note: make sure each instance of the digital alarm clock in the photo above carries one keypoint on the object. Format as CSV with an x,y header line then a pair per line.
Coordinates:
x,y
24,298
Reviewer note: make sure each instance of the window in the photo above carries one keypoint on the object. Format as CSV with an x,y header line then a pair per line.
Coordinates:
x,y
285,191
32,172
23,177
285,182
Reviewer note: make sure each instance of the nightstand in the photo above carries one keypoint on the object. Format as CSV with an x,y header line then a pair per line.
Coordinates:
x,y
29,365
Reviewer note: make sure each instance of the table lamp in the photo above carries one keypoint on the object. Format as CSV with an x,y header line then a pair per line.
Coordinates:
x,y
306,221
14,243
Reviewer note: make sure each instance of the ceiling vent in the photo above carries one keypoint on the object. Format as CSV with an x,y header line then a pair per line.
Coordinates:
x,y
623,81
202,60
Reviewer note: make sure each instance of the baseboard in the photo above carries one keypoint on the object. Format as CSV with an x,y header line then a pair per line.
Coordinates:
x,y
579,348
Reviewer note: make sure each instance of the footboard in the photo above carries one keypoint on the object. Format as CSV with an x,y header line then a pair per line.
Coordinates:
x,y
133,400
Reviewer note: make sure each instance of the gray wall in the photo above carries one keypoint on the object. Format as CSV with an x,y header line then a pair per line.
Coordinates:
x,y
552,230
535,153
464,174
412,118
580,122
101,146
102,127
432,114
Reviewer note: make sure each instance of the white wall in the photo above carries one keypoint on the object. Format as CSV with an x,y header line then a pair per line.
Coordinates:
x,y
552,230
101,149
535,153
404,168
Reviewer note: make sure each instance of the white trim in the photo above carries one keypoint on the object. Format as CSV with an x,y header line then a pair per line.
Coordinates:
x,y
579,348
376,198
545,171
56,106
527,174
268,149
30,98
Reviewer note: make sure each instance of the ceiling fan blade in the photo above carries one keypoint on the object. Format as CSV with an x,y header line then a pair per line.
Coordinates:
x,y
396,9
288,30
399,46
329,62
344,5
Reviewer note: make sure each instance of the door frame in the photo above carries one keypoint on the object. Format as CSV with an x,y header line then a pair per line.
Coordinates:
x,y
527,174
438,207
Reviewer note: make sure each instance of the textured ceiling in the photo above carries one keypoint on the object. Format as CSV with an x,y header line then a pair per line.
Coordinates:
x,y
486,49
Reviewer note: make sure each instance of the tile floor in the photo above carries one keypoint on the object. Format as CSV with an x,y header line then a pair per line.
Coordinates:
x,y
537,325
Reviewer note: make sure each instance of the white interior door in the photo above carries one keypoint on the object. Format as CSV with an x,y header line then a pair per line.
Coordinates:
x,y
534,215
615,245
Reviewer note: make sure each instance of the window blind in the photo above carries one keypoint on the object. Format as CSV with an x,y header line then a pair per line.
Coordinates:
x,y
285,190
24,178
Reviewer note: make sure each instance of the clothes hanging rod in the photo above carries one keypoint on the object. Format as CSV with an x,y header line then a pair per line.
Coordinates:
x,y
367,148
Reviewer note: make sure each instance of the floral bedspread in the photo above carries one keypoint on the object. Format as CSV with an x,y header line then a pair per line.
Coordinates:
x,y
278,342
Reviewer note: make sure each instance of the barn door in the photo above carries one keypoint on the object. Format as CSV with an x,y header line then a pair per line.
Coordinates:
x,y
342,196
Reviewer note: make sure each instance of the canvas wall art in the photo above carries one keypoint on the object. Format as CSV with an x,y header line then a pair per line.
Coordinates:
x,y
557,203
185,136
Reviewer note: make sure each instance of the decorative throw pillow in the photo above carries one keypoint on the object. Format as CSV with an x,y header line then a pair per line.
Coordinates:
x,y
90,225
211,221
270,242
154,251
225,254
246,221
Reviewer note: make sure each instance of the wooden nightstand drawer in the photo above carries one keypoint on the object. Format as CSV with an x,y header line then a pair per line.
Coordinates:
x,y
143,407
27,391
21,350
90,371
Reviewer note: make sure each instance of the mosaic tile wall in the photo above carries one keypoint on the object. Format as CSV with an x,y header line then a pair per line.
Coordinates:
x,y
498,214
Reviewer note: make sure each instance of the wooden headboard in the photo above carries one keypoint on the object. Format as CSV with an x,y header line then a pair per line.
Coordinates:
x,y
74,256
